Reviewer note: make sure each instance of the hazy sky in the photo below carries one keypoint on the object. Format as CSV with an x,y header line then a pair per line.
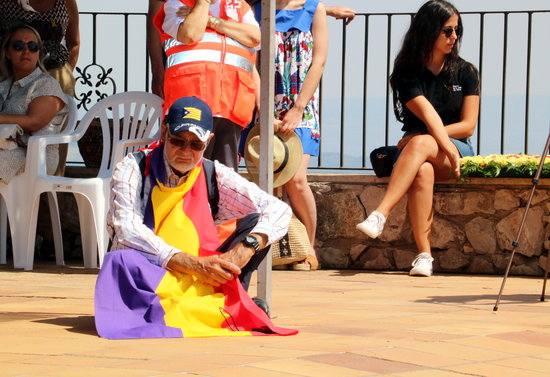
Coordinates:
x,y
359,5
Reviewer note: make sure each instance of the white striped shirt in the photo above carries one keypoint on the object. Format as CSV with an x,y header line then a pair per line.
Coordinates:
x,y
237,198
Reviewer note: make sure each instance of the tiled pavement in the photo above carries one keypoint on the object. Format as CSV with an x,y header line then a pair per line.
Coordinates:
x,y
352,323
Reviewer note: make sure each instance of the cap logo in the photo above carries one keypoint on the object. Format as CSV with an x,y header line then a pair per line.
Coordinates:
x,y
199,131
191,113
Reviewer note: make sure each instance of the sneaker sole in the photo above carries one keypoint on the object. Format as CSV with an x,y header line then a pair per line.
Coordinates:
x,y
363,229
414,273
301,267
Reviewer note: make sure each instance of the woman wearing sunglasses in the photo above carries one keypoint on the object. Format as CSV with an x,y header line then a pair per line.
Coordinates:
x,y
57,23
436,97
29,98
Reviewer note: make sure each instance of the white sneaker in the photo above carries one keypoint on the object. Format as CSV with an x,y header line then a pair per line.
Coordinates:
x,y
373,225
422,265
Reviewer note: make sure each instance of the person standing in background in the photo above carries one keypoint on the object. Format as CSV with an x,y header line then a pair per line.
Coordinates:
x,y
210,54
301,48
155,51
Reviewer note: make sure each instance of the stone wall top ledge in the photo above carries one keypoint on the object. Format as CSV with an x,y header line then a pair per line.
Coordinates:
x,y
355,178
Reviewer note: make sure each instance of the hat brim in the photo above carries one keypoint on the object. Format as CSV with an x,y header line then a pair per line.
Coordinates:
x,y
295,154
201,133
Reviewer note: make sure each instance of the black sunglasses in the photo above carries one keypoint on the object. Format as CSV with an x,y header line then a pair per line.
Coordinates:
x,y
195,145
20,46
448,31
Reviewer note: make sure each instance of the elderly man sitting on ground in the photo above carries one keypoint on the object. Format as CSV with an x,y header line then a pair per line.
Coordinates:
x,y
169,276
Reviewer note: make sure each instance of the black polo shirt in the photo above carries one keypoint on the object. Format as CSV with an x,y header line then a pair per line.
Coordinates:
x,y
444,93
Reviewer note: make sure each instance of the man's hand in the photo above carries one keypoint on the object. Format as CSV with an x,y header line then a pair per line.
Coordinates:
x,y
241,254
341,12
213,270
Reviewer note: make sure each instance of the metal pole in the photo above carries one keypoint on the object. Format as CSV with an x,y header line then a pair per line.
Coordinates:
x,y
545,276
515,243
267,69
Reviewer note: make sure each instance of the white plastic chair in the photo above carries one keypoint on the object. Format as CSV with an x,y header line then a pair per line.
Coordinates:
x,y
14,205
135,118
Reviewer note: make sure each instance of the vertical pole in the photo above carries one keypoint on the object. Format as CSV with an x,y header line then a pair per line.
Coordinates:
x,y
267,70
365,93
528,79
126,36
503,98
343,95
481,31
388,67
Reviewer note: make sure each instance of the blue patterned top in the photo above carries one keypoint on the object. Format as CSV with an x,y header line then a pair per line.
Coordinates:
x,y
287,19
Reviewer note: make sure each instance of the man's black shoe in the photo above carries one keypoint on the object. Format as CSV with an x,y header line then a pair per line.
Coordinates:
x,y
262,304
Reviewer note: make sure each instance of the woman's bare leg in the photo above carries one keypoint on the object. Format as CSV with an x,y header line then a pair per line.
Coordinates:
x,y
420,204
420,149
302,200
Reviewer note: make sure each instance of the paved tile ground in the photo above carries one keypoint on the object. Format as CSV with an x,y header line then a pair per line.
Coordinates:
x,y
352,323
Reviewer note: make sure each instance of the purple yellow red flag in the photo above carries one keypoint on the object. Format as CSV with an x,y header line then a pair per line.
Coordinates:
x,y
137,299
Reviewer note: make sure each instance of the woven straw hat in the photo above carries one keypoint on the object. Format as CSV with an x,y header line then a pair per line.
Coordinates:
x,y
287,156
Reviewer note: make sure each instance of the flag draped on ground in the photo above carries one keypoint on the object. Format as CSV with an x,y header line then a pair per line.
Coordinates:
x,y
136,299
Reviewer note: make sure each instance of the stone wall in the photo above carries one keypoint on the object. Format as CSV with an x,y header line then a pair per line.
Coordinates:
x,y
475,223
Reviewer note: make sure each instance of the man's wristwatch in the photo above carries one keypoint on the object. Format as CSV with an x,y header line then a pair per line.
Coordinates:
x,y
253,242
213,22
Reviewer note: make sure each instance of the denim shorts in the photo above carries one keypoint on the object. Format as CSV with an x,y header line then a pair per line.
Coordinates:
x,y
310,143
464,146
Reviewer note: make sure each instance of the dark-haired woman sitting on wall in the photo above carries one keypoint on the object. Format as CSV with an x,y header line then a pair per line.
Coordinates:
x,y
436,97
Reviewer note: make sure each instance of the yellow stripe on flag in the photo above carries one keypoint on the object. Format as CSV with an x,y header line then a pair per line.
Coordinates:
x,y
193,113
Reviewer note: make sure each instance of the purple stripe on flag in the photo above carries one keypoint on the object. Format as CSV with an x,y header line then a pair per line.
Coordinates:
x,y
126,305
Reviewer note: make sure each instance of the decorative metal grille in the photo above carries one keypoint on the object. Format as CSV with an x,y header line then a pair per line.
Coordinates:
x,y
93,84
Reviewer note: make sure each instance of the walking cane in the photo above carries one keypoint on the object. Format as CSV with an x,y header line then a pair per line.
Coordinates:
x,y
515,243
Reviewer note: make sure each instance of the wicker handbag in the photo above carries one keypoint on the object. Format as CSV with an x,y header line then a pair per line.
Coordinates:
x,y
294,246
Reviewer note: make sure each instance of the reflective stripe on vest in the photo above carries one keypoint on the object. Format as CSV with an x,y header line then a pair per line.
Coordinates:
x,y
207,37
209,55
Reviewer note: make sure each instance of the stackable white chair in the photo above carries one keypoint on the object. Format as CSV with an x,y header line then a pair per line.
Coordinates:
x,y
135,122
14,206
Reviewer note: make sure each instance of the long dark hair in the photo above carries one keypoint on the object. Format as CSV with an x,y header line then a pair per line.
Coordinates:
x,y
418,43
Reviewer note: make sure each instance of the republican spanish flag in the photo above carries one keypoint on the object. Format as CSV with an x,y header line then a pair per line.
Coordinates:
x,y
137,299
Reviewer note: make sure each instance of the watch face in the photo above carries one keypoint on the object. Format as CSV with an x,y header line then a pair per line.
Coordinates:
x,y
252,241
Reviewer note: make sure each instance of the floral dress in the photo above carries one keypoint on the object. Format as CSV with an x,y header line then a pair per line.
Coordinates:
x,y
293,57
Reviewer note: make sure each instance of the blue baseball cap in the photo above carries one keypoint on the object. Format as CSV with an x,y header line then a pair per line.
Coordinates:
x,y
190,114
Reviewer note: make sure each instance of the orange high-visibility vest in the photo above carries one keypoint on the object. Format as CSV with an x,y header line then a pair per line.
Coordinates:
x,y
218,69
